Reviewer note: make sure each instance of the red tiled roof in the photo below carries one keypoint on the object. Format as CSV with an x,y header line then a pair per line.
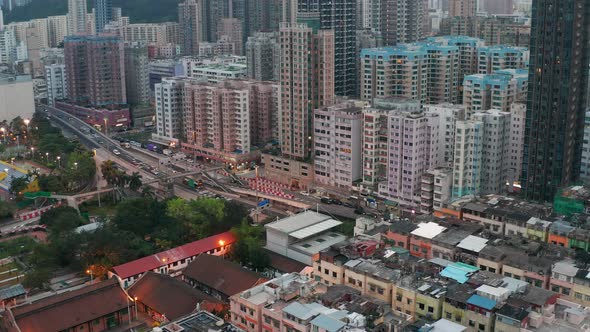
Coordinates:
x,y
63,311
149,263
168,296
222,275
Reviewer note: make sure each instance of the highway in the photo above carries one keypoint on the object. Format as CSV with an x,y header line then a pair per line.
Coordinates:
x,y
148,165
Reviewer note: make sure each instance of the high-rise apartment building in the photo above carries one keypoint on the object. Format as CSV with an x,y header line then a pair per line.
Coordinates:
x,y
498,7
428,72
412,149
462,8
400,71
556,105
137,79
402,21
307,83
493,58
448,115
517,127
337,144
8,46
231,30
95,70
57,87
498,91
482,151
191,25
224,121
159,34
77,13
262,56
169,110
57,29
103,14
585,163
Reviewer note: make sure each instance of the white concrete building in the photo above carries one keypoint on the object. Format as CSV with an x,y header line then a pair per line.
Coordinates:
x,y
169,110
490,59
337,144
302,236
413,144
214,73
482,154
77,17
57,87
436,189
448,114
7,46
517,123
16,97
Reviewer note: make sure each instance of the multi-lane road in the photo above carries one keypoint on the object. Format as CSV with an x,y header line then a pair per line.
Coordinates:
x,y
148,165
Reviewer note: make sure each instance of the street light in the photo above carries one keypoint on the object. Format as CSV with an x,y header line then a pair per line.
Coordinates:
x,y
76,165
3,130
135,300
89,271
32,152
58,161
27,121
47,156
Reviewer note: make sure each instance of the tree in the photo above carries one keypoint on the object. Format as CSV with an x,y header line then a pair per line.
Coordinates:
x,y
61,219
6,209
134,181
37,278
18,185
140,216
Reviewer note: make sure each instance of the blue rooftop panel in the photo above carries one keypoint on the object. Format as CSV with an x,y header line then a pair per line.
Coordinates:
x,y
482,302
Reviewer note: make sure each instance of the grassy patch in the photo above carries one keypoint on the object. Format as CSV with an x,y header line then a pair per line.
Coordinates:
x,y
16,247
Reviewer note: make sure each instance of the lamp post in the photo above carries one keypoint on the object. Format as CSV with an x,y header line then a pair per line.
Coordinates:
x,y
58,161
3,130
89,271
47,156
135,300
32,152
76,165
221,244
27,121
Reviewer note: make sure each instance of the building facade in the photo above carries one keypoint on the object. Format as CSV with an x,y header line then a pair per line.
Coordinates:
x,y
262,56
556,103
337,144
57,86
95,70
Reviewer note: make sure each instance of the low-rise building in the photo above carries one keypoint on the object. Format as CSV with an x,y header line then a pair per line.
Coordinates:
x,y
113,119
563,275
214,73
164,298
303,236
421,239
98,307
221,279
172,261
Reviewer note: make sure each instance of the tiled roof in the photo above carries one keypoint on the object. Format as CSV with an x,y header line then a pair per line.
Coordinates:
x,y
222,275
482,302
69,309
168,296
149,263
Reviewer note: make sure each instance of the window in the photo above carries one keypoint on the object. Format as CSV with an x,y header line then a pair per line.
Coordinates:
x,y
334,274
471,323
578,295
430,309
449,315
409,301
421,306
351,281
326,272
482,327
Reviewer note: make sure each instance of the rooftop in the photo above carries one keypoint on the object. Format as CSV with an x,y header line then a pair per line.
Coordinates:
x,y
149,263
63,311
428,230
297,222
565,267
328,323
220,274
373,269
443,325
402,227
513,312
201,321
169,296
473,243
482,302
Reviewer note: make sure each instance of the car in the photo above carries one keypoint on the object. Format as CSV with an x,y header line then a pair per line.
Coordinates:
x,y
326,200
336,201
116,152
359,210
348,205
304,193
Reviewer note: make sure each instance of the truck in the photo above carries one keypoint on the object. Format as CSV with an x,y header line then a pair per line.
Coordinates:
x,y
167,152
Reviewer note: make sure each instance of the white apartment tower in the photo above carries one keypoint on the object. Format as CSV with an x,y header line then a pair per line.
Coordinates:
x,y
57,87
337,144
169,109
77,17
